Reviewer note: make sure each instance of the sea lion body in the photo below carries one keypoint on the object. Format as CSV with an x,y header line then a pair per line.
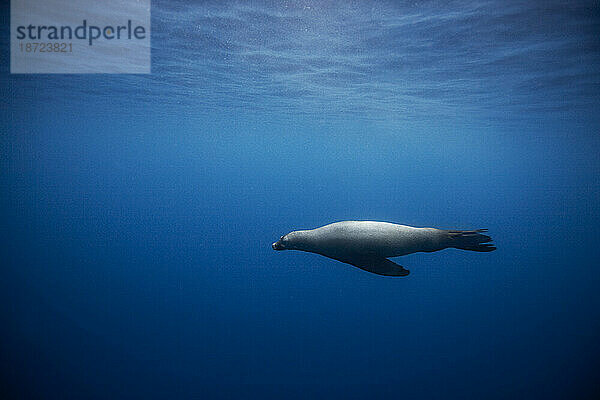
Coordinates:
x,y
368,244
369,237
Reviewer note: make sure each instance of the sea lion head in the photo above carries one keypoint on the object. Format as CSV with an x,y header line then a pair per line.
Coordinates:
x,y
282,244
292,241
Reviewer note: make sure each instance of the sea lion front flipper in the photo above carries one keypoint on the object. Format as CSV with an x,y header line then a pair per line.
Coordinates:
x,y
380,266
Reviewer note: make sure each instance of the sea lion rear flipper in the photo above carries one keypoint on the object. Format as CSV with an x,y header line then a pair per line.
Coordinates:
x,y
380,266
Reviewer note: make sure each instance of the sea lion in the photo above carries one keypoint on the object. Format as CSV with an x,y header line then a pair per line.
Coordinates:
x,y
368,244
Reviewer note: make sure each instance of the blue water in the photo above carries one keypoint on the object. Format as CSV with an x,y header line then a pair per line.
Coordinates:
x,y
138,211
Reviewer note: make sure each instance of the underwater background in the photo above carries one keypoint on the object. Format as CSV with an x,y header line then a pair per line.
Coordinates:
x,y
138,211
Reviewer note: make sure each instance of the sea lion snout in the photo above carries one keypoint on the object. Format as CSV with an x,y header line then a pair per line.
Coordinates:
x,y
280,244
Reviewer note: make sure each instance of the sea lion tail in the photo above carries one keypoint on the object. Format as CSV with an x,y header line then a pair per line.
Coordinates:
x,y
471,240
